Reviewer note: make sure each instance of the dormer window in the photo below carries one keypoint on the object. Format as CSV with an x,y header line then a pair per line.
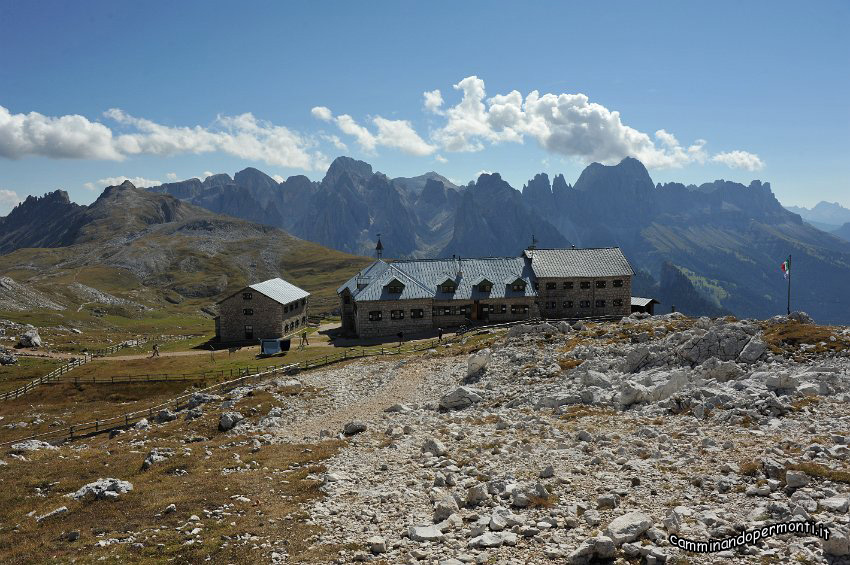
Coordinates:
x,y
518,285
484,285
448,286
395,287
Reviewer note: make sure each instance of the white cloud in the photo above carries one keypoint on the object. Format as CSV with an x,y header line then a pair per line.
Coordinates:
x,y
65,137
322,112
278,179
139,182
396,134
433,101
76,137
206,174
399,134
565,124
8,200
739,160
336,141
171,176
440,159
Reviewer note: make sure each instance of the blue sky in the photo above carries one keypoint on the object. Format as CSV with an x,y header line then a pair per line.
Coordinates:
x,y
162,90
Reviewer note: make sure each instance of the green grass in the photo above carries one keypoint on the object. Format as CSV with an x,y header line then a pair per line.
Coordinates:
x,y
25,370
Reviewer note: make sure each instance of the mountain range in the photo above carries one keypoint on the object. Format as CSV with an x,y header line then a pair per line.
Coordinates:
x,y
714,249
826,216
155,248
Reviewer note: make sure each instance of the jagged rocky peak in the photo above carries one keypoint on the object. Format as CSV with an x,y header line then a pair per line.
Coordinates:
x,y
433,193
254,179
539,184
343,165
628,176
559,184
218,180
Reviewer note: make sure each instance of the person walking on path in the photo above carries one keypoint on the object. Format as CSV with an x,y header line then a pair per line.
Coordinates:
x,y
400,338
440,335
155,352
304,340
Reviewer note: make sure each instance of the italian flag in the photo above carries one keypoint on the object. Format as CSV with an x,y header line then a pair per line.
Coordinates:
x,y
786,267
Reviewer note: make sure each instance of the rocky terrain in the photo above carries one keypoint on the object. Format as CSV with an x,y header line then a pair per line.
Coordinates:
x,y
547,443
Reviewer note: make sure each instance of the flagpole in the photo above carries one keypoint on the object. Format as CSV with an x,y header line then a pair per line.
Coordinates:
x,y
789,284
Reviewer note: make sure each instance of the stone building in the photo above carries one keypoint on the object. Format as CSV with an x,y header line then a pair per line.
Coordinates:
x,y
266,310
413,296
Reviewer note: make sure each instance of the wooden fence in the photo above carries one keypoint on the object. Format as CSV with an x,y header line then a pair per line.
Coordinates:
x,y
125,420
51,377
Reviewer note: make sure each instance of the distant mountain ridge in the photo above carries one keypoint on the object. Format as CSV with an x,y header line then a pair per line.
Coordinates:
x,y
826,216
137,239
704,249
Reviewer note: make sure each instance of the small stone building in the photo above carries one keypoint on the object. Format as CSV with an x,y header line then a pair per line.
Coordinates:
x,y
413,296
267,310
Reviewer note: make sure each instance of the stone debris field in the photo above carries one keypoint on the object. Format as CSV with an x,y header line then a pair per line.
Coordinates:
x,y
547,443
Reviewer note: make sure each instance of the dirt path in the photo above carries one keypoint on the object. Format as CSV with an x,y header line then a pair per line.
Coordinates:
x,y
364,403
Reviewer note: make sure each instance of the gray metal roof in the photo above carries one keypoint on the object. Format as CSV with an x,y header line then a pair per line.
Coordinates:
x,y
375,269
280,291
642,302
592,262
421,279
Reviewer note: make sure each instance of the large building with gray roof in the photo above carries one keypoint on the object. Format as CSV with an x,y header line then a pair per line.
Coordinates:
x,y
414,296
265,310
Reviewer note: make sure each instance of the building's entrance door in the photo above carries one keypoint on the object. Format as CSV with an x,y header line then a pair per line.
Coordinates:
x,y
249,332
475,311
481,311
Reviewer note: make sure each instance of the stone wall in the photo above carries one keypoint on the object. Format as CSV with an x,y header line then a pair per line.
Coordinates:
x,y
387,326
267,317
559,295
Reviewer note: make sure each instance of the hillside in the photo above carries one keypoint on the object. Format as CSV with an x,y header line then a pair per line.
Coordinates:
x,y
726,239
159,250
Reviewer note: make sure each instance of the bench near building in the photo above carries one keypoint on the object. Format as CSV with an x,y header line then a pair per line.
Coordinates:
x,y
414,296
266,310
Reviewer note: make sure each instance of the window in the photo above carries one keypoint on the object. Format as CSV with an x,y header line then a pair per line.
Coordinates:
x,y
618,302
447,287
417,313
464,310
618,283
248,311
536,286
397,314
585,285
551,305
375,316
395,287
485,287
550,286
518,286
249,332
491,308
286,308
247,295
568,285
568,303
503,309
448,310
584,304
519,308
286,328
600,284
600,304
436,311
297,324
303,301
